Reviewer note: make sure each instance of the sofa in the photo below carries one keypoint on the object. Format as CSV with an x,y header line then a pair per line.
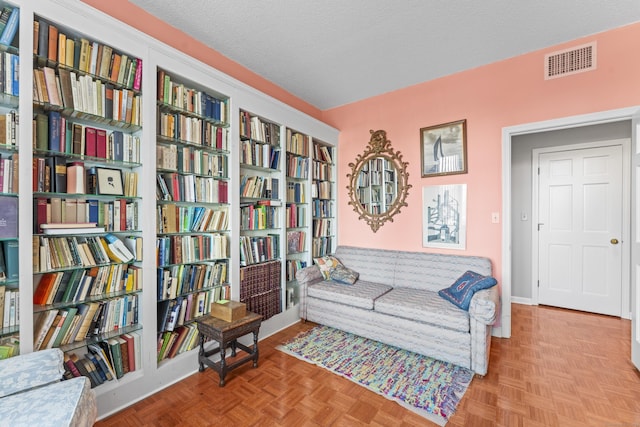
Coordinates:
x,y
32,393
396,300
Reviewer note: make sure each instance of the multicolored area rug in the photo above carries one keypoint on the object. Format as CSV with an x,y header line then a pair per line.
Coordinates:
x,y
429,387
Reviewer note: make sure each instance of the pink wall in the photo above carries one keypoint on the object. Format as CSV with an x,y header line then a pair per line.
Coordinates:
x,y
502,94
491,97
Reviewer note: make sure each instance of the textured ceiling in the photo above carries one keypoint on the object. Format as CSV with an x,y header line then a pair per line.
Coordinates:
x,y
333,52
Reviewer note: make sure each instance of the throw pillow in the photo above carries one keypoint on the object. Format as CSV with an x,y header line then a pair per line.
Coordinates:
x,y
344,275
326,263
462,290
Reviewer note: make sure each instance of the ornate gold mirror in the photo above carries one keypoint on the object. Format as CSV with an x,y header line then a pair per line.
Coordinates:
x,y
378,182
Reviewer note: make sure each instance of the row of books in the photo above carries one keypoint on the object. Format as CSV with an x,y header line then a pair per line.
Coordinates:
x,y
292,267
183,309
106,360
297,143
259,217
9,20
185,159
322,171
257,249
100,60
323,153
173,218
79,284
296,192
180,280
193,130
176,187
110,215
322,208
296,215
321,246
258,130
54,132
191,100
297,167
259,154
9,261
9,73
81,95
59,327
259,187
322,227
321,190
78,251
179,249
178,341
296,241
9,307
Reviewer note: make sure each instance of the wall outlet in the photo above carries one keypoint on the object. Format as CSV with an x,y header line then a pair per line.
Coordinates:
x,y
495,217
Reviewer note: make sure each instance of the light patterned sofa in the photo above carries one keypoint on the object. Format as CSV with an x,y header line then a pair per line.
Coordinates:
x,y
396,301
31,393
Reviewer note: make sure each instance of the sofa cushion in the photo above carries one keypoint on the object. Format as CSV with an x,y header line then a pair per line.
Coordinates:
x,y
344,275
362,294
325,264
424,306
462,290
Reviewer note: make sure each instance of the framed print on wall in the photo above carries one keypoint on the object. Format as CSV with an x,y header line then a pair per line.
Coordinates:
x,y
443,149
444,216
110,181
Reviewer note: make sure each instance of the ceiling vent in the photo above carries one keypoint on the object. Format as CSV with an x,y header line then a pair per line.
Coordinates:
x,y
570,61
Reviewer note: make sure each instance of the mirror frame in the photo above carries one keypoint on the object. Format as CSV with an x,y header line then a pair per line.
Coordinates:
x,y
379,146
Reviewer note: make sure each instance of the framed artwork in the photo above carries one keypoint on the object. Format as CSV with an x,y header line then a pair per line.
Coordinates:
x,y
110,181
443,149
444,216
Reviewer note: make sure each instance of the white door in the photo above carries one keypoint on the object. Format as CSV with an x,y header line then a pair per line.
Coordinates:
x,y
580,229
635,249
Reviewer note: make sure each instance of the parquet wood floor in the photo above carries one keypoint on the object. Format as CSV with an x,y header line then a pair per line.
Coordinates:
x,y
560,368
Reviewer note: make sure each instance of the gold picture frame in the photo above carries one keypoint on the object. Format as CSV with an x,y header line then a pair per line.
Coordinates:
x,y
443,149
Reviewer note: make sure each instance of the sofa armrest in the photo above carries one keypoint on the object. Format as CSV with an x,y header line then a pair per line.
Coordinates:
x,y
27,371
306,277
484,305
309,275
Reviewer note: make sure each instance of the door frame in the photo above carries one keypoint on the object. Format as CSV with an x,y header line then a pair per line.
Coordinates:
x,y
504,329
626,215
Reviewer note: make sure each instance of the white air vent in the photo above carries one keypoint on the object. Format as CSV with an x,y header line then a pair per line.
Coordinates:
x,y
570,61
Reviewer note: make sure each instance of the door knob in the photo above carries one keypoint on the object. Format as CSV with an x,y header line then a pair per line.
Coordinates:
x,y
614,241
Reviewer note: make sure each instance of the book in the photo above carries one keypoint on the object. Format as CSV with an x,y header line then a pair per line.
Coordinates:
x,y
11,28
116,249
42,326
8,217
114,346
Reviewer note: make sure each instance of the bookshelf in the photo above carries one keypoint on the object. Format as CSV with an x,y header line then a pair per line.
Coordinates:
x,y
261,213
9,183
297,210
86,238
192,204
77,21
323,199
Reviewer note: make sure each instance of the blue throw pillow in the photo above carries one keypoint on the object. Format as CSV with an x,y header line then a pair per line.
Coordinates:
x,y
462,290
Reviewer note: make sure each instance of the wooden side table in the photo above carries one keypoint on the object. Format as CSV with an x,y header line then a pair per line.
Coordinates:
x,y
227,334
